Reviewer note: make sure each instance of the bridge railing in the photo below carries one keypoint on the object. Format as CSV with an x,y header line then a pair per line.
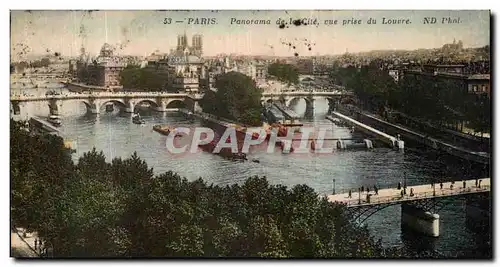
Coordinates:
x,y
101,94
356,200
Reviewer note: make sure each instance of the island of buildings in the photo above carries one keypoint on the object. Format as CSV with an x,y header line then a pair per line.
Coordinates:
x,y
189,71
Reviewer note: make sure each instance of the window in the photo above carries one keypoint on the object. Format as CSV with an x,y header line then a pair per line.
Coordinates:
x,y
475,88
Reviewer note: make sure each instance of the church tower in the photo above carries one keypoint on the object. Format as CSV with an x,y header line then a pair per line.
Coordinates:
x,y
182,42
197,45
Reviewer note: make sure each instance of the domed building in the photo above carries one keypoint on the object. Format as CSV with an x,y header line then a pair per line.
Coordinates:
x,y
103,71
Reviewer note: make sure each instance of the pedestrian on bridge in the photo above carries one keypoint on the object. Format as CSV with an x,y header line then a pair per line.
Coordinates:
x,y
350,194
402,194
368,190
441,185
362,189
464,184
399,185
411,192
476,182
479,184
376,189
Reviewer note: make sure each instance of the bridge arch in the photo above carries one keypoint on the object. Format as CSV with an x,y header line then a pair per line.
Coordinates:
x,y
87,104
362,213
292,101
151,102
180,103
103,103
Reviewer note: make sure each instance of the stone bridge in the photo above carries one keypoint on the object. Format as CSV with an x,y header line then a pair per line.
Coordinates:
x,y
127,101
160,101
289,99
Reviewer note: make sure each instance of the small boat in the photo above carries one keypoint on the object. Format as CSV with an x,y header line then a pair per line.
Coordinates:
x,y
224,152
136,118
165,130
292,124
54,120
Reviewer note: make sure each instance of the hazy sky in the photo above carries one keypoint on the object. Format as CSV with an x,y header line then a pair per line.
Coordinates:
x,y
142,32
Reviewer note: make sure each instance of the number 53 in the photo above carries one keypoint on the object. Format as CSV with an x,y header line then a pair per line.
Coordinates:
x,y
167,21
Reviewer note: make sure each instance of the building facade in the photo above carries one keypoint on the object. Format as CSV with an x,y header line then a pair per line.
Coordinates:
x,y
479,84
103,71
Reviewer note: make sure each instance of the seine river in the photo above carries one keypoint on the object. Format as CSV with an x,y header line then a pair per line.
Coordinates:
x,y
116,135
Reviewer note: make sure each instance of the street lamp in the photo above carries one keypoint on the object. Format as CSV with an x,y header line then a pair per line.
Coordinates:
x,y
359,195
404,185
433,186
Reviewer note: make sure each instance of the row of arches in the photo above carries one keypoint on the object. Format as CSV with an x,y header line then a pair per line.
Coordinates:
x,y
56,107
292,101
176,103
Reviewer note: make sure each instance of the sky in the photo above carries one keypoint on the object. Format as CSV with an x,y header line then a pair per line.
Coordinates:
x,y
142,32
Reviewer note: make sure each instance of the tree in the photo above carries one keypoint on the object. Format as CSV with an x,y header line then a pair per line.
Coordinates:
x,y
237,98
284,72
144,79
44,62
209,103
121,209
479,113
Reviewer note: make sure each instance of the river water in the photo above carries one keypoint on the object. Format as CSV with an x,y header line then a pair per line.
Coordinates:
x,y
116,135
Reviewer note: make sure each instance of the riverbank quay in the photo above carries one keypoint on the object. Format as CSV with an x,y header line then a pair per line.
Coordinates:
x,y
462,139
392,141
40,125
418,137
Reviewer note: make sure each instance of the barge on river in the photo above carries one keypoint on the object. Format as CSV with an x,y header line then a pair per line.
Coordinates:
x,y
165,130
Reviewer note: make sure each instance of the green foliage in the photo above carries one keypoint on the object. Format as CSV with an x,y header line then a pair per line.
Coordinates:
x,y
478,113
284,72
344,76
121,209
44,62
145,79
237,98
438,100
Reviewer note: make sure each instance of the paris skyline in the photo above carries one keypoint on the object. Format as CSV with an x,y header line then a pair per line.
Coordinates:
x,y
142,32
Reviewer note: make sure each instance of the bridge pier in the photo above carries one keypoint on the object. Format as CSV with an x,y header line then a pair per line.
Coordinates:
x,y
54,107
129,106
197,107
93,110
309,108
161,106
340,144
419,220
16,108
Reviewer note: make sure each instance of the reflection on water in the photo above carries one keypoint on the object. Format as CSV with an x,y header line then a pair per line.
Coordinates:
x,y
116,135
